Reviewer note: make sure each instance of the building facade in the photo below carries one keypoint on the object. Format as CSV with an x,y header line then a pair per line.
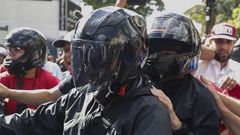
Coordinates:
x,y
52,17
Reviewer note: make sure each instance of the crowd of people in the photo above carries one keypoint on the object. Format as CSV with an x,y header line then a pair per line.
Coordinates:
x,y
122,79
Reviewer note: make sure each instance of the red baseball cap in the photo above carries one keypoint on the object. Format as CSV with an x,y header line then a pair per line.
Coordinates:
x,y
224,30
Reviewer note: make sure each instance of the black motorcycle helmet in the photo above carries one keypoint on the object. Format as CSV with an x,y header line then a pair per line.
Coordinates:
x,y
109,47
35,45
172,31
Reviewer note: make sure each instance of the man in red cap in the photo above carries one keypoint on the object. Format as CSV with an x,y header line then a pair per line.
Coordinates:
x,y
222,71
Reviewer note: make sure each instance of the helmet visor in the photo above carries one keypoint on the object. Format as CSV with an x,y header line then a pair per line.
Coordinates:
x,y
172,66
94,62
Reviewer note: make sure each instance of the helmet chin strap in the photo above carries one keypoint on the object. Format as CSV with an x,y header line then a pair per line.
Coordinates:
x,y
19,106
110,93
15,68
20,81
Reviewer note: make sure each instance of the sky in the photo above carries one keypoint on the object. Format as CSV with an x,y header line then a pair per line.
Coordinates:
x,y
177,6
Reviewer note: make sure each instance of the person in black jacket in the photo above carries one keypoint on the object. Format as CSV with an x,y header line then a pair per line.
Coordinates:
x,y
107,50
174,45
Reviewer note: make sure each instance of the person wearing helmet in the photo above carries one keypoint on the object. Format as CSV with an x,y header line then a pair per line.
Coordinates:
x,y
40,96
26,56
107,52
174,45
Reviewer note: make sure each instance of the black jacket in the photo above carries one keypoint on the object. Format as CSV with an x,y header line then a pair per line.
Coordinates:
x,y
194,105
78,113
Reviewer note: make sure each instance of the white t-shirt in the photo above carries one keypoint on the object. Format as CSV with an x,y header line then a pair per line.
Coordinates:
x,y
212,71
54,69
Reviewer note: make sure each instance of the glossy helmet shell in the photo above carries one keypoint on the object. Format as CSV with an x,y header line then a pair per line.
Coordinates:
x,y
172,31
35,45
109,46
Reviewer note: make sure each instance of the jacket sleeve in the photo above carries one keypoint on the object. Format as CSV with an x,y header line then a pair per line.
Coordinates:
x,y
46,120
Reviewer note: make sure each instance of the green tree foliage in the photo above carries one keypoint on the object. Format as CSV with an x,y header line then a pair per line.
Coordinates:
x,y
197,13
223,12
236,19
144,10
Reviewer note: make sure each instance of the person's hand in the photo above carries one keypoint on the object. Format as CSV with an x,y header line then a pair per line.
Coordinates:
x,y
121,3
209,86
175,122
214,92
207,52
3,91
228,84
163,98
225,132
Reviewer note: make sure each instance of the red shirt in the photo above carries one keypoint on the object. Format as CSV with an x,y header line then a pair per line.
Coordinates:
x,y
2,68
43,80
235,92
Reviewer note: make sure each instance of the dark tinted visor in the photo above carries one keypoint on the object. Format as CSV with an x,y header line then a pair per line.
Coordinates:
x,y
93,60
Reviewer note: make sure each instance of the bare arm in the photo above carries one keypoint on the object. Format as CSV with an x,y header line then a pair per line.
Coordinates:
x,y
222,99
33,97
121,3
228,115
231,103
228,107
175,122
